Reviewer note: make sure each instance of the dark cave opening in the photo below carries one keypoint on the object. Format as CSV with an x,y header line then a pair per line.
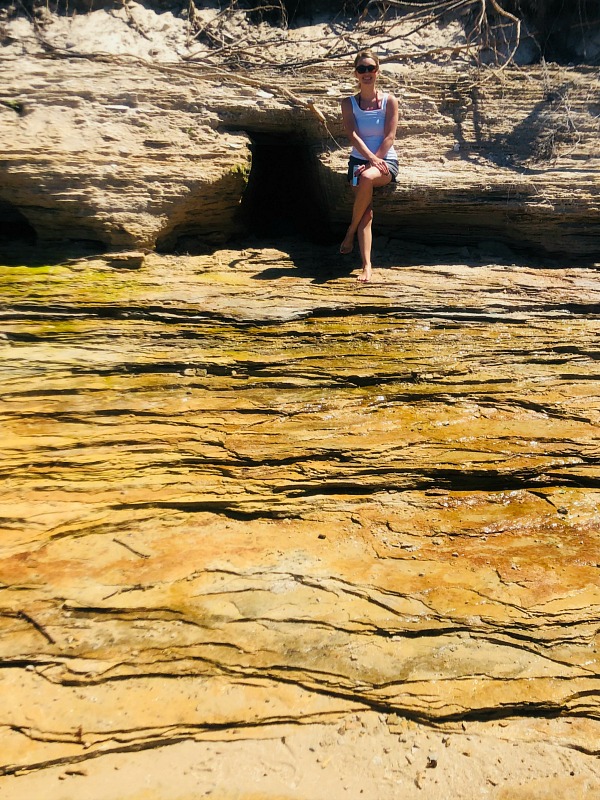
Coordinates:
x,y
14,226
282,197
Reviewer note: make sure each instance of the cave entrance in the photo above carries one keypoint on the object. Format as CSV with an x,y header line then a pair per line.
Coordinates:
x,y
14,226
282,197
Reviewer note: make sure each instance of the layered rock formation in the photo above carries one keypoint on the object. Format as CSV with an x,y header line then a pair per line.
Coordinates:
x,y
267,533
131,155
241,496
87,155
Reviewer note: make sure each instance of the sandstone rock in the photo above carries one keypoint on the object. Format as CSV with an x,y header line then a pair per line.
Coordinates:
x,y
246,502
470,171
157,157
118,167
234,503
127,259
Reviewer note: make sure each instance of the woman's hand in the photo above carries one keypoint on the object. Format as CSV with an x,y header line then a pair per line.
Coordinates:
x,y
380,164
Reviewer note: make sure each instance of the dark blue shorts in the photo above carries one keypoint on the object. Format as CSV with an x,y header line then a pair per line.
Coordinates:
x,y
355,162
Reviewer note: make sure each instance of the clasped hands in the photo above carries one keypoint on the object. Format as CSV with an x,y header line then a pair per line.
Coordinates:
x,y
378,163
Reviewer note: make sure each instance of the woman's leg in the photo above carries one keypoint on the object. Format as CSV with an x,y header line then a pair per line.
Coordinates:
x,y
364,234
363,196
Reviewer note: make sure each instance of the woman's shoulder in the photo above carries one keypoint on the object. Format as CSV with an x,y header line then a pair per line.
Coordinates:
x,y
348,105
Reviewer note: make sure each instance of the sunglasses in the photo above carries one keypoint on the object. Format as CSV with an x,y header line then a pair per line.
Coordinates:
x,y
362,68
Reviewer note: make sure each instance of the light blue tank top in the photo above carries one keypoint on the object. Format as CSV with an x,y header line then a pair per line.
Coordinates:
x,y
370,126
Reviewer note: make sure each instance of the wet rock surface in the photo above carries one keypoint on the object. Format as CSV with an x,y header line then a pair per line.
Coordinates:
x,y
243,494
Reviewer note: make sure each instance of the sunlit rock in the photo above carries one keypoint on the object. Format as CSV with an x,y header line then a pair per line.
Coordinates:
x,y
161,158
235,500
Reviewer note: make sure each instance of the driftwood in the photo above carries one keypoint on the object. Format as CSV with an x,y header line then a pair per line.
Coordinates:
x,y
490,26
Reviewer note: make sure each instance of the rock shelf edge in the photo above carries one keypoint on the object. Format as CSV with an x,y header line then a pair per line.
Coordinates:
x,y
161,158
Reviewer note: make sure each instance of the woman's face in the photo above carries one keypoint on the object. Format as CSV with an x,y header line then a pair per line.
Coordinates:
x,y
366,71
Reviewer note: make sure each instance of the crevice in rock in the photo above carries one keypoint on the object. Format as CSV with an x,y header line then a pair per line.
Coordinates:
x,y
14,226
282,197
450,480
435,314
232,510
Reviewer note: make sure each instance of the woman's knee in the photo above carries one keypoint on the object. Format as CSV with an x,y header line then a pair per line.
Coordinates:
x,y
375,177
370,174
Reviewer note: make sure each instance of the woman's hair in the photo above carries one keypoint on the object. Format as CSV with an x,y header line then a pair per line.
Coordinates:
x,y
366,54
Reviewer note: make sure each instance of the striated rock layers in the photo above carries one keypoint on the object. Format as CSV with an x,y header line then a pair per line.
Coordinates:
x,y
242,495
133,155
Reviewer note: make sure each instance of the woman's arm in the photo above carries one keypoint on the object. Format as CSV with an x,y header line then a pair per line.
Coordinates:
x,y
389,129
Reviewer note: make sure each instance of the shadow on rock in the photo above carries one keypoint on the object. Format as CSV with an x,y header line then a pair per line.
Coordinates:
x,y
318,263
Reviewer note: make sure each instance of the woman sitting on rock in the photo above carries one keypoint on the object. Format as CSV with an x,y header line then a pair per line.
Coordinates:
x,y
370,119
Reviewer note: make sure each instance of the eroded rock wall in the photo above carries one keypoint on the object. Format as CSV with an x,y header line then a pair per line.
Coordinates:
x,y
125,157
132,155
511,158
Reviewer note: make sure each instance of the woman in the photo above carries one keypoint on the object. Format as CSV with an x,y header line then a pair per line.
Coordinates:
x,y
370,120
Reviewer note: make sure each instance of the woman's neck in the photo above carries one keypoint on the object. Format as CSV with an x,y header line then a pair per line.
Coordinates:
x,y
368,98
368,93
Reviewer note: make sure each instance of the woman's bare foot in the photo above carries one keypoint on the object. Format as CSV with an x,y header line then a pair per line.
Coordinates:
x,y
347,245
365,275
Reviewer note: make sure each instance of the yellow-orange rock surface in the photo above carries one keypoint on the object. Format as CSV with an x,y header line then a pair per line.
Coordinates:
x,y
242,495
267,533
